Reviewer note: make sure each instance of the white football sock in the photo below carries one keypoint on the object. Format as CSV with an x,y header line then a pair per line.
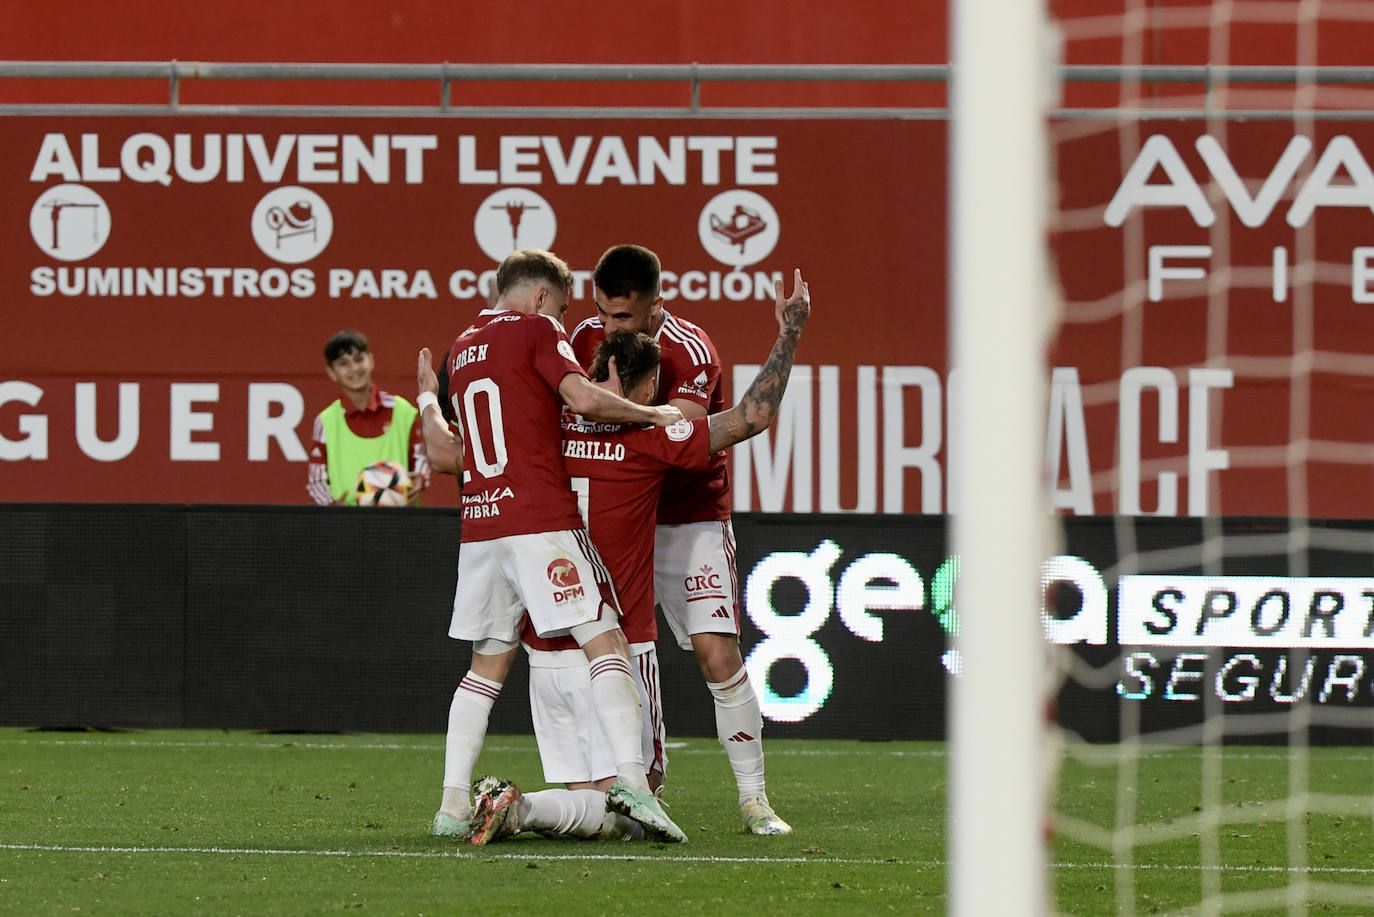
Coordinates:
x,y
616,700
575,813
739,726
467,729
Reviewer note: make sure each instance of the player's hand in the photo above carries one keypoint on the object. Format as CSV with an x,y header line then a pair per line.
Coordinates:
x,y
665,415
425,379
796,309
612,383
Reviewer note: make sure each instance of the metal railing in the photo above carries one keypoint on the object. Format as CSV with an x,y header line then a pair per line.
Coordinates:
x,y
1210,80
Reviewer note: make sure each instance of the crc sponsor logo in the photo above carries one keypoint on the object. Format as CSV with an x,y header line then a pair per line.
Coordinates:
x,y
562,574
512,219
703,585
292,224
70,222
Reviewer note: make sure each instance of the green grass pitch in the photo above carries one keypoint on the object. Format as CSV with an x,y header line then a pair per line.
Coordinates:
x,y
215,822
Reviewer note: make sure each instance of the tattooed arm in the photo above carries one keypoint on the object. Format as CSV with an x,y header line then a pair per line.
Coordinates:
x,y
759,404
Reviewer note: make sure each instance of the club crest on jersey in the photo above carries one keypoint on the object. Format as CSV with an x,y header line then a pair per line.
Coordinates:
x,y
679,431
563,574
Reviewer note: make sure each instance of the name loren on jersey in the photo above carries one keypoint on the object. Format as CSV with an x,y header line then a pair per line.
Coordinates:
x,y
356,283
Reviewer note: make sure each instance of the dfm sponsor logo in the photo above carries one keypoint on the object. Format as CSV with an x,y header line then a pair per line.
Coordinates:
x,y
567,584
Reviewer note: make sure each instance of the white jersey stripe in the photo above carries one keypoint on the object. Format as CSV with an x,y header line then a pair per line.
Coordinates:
x,y
690,342
587,324
600,571
728,538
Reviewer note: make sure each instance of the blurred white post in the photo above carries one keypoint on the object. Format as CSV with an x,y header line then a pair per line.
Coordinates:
x,y
998,289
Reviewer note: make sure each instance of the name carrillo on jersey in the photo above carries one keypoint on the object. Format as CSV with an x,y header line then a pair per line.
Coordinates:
x,y
594,449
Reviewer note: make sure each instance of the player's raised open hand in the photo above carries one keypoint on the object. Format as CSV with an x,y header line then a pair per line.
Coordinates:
x,y
425,379
796,309
759,404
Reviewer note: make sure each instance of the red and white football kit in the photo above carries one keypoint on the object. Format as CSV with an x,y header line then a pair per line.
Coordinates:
x,y
617,473
695,579
524,544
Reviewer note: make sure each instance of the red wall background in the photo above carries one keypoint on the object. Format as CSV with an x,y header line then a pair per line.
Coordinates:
x,y
862,276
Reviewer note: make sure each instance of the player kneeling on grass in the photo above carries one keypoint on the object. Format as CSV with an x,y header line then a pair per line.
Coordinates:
x,y
618,472
574,751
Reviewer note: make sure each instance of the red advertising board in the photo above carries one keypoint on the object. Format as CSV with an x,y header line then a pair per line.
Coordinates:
x,y
1218,282
169,284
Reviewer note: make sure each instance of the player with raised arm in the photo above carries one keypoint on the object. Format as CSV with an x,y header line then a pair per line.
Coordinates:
x,y
695,580
524,547
617,472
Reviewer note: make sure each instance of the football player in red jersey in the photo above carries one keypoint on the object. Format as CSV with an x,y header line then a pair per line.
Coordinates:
x,y
524,547
617,472
695,580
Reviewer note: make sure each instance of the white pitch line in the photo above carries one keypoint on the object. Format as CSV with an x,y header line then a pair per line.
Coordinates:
x,y
1171,867
438,746
666,857
681,748
455,854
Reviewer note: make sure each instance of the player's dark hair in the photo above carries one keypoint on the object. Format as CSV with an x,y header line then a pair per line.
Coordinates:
x,y
627,270
532,264
636,358
344,342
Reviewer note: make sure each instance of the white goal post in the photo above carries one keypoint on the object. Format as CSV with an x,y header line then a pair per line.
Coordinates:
x,y
999,284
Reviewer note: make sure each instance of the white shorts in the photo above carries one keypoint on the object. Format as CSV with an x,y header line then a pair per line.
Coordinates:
x,y
572,745
558,577
695,581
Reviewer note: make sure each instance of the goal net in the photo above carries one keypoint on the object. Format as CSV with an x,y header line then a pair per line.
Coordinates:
x,y
1211,597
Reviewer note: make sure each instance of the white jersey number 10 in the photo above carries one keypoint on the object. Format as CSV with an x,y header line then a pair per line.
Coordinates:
x,y
473,429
